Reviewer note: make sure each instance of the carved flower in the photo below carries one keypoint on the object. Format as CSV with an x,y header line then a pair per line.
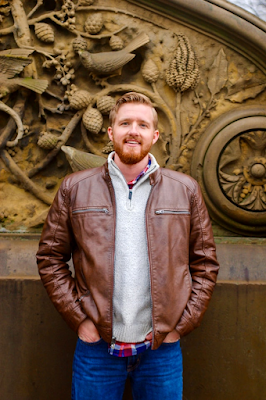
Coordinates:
x,y
242,172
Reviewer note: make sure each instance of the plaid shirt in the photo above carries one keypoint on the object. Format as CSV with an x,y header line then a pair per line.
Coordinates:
x,y
121,349
134,181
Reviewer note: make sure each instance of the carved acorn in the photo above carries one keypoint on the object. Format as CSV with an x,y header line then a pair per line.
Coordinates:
x,y
79,44
93,120
105,104
80,99
94,23
116,43
47,140
44,32
150,71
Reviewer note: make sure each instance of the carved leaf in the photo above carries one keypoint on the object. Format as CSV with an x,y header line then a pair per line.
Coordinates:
x,y
231,153
218,73
247,93
13,61
256,200
228,178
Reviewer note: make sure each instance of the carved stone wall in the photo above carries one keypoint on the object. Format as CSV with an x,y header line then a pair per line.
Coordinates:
x,y
63,64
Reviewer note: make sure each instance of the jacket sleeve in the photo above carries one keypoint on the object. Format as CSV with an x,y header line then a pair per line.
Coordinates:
x,y
203,265
56,246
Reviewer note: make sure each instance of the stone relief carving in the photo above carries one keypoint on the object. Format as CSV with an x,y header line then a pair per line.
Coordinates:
x,y
230,165
77,58
244,159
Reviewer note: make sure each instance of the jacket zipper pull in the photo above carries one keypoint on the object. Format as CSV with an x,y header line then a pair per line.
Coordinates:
x,y
130,195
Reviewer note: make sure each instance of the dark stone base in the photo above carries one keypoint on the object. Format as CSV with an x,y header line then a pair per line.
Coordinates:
x,y
223,359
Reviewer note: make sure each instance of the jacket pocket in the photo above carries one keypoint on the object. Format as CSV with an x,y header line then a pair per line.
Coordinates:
x,y
91,210
173,212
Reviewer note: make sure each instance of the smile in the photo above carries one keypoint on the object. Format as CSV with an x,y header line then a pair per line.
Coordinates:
x,y
132,142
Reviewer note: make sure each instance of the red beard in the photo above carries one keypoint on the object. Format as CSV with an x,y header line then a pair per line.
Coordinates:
x,y
132,155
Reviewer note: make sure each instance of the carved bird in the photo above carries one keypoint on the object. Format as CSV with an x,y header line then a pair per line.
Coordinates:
x,y
80,160
12,62
107,62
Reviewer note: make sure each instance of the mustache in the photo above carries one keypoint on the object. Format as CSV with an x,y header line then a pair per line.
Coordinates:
x,y
132,137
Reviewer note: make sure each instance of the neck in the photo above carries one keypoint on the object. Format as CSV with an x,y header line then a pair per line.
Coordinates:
x,y
131,171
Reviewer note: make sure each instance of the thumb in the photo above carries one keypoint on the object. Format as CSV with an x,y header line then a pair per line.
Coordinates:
x,y
149,336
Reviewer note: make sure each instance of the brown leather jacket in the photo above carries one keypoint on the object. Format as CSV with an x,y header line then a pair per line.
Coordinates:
x,y
81,224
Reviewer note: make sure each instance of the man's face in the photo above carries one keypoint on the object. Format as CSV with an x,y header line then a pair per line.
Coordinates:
x,y
133,132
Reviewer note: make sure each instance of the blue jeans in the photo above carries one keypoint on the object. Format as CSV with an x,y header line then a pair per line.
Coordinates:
x,y
154,374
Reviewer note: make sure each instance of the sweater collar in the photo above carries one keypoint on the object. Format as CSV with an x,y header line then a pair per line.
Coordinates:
x,y
114,169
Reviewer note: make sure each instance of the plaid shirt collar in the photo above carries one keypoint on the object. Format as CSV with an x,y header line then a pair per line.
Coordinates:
x,y
134,181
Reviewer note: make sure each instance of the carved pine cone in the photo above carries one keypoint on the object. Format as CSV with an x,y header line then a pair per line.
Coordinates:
x,y
80,99
47,141
150,72
116,43
94,23
44,32
105,104
183,71
79,44
93,120
108,148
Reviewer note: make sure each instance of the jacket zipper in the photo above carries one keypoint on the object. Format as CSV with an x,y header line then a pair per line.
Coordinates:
x,y
84,295
171,212
103,210
112,195
152,316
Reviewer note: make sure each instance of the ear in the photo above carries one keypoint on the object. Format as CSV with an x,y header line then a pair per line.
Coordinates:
x,y
110,133
155,136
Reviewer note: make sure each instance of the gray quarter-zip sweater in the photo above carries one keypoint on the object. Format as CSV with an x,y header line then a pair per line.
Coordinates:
x,y
132,318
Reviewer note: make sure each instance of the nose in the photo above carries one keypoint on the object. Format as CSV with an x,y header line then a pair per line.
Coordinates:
x,y
134,128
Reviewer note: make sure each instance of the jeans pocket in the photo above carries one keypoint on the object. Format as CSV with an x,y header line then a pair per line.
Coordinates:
x,y
91,343
170,343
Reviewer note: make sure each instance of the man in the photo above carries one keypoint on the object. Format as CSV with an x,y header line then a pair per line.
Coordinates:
x,y
145,263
